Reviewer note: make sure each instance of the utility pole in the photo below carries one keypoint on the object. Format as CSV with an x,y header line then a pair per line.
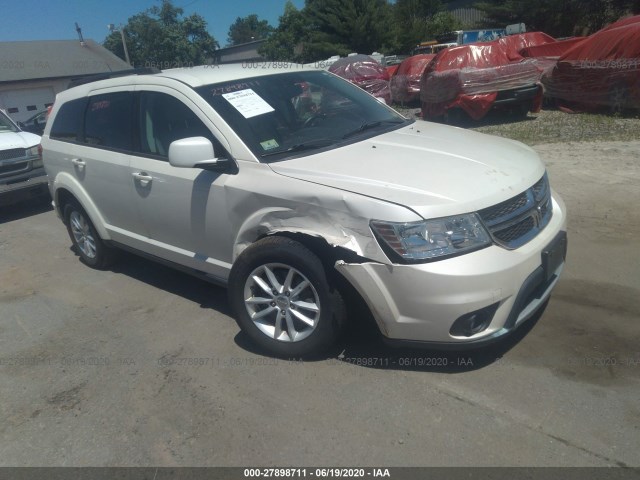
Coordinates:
x,y
112,28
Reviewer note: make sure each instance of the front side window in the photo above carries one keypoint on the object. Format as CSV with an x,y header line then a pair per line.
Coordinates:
x,y
293,113
108,121
165,119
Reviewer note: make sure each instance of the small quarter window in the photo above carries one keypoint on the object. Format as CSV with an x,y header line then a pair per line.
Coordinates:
x,y
67,125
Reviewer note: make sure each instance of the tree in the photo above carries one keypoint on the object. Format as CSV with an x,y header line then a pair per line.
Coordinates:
x,y
342,26
569,17
411,20
247,29
285,43
158,37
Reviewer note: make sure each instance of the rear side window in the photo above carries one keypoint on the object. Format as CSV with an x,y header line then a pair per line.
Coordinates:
x,y
67,125
108,121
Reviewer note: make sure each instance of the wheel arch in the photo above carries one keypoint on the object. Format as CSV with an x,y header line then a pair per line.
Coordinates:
x,y
330,255
348,236
67,189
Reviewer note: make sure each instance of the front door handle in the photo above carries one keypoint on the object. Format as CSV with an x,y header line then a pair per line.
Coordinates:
x,y
143,177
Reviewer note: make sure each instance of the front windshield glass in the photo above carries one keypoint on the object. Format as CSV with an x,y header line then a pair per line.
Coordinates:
x,y
296,113
6,125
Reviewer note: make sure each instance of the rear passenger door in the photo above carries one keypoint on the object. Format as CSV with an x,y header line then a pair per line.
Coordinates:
x,y
98,135
183,209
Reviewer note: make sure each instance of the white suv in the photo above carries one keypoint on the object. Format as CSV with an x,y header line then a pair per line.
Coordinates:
x,y
288,184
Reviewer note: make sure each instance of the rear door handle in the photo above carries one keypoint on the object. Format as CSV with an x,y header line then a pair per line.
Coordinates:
x,y
78,162
144,178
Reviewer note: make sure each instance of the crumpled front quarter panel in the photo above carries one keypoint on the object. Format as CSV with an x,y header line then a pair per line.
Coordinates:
x,y
261,202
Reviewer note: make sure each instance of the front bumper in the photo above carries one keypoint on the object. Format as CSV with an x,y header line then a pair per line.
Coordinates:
x,y
23,186
420,303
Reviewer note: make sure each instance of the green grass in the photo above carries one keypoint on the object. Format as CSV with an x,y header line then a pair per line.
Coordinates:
x,y
554,126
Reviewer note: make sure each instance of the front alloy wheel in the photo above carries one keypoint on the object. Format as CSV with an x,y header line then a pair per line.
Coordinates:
x,y
283,298
281,302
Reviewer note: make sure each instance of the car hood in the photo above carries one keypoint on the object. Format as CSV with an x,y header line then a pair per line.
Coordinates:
x,y
10,140
434,169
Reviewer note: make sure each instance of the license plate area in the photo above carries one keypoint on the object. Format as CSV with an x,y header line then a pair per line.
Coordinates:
x,y
554,255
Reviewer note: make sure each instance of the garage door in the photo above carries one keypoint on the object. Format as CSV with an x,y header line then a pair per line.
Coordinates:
x,y
26,102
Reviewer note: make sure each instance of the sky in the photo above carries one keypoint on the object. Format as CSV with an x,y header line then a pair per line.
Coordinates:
x,y
55,19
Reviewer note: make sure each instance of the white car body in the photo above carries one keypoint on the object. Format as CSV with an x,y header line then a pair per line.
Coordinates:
x,y
204,220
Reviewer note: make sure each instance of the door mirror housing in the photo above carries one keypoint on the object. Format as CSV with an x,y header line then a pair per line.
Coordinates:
x,y
194,152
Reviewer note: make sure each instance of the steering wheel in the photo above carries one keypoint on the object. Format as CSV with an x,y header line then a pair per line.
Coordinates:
x,y
313,119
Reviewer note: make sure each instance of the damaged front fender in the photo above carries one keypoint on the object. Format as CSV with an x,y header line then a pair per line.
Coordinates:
x,y
340,218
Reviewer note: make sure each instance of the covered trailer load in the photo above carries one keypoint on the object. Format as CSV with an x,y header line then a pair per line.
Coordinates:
x,y
600,72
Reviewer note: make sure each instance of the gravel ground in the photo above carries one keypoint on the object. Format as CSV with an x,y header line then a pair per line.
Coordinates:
x,y
142,365
551,126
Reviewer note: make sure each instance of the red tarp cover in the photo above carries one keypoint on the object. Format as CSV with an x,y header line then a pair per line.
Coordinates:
x,y
392,69
470,76
601,71
405,83
366,73
553,49
515,43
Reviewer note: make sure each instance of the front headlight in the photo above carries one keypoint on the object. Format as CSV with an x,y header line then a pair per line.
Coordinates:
x,y
34,152
433,239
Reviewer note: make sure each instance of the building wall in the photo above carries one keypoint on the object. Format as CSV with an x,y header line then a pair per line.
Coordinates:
x,y
240,53
470,17
18,99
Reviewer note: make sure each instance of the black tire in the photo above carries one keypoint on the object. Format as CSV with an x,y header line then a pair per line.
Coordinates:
x,y
520,111
618,99
281,256
91,249
455,116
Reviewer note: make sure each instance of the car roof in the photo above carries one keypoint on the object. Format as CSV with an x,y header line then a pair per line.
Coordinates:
x,y
192,76
208,74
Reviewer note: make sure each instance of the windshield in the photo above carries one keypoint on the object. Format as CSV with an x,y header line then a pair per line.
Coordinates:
x,y
295,113
6,125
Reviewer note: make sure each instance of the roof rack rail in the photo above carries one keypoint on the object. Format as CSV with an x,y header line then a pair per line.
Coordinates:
x,y
103,76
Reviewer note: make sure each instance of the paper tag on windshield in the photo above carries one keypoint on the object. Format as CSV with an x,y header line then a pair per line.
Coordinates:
x,y
248,103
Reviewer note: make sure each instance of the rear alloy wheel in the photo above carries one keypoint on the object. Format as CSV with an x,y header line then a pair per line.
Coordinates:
x,y
86,241
281,298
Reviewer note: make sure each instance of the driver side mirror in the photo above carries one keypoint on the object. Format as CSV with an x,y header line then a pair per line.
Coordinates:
x,y
194,152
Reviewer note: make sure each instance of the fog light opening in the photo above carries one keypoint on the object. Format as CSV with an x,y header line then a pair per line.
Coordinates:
x,y
474,322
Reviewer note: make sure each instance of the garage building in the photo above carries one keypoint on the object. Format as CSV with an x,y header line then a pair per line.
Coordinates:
x,y
32,73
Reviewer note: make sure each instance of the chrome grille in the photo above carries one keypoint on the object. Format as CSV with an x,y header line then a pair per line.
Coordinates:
x,y
516,221
516,231
12,153
504,209
13,168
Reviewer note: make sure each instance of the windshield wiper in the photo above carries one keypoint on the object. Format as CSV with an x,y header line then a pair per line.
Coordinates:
x,y
299,147
369,125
